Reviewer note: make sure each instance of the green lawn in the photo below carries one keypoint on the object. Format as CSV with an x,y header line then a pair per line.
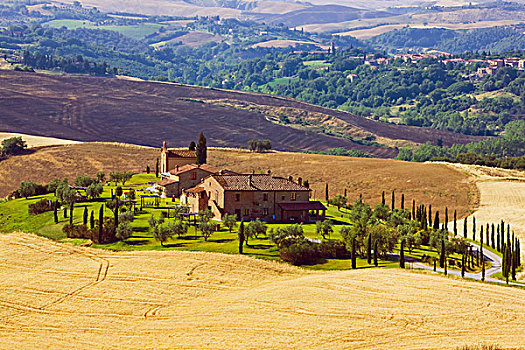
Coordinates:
x,y
317,64
138,31
14,217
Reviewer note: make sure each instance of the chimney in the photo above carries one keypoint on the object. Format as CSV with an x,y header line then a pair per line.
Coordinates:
x,y
300,181
177,168
290,178
164,145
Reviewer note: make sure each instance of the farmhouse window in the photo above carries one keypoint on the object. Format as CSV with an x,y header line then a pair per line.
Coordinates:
x,y
293,196
265,197
194,176
237,197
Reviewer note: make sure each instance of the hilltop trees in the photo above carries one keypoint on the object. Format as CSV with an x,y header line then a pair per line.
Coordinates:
x,y
256,145
201,150
13,146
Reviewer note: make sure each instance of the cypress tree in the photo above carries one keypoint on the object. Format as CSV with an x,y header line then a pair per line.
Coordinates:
x,y
442,256
115,212
85,216
463,263
402,254
483,268
100,221
393,200
465,223
65,212
498,236
345,193
493,237
201,150
55,212
375,253
147,169
487,234
369,249
240,235
383,198
436,221
326,193
430,215
513,263
413,209
92,220
157,168
435,263
445,267
446,219
402,201
354,260
455,223
71,207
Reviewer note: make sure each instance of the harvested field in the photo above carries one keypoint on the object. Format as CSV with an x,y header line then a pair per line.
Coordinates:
x,y
502,197
279,43
69,161
37,141
426,183
195,39
116,110
55,295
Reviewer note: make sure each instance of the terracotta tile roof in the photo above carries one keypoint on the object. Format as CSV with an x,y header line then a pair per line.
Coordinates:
x,y
195,189
166,182
188,167
312,205
181,153
257,182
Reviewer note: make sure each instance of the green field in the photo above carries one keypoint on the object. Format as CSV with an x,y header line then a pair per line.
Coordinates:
x,y
137,32
317,64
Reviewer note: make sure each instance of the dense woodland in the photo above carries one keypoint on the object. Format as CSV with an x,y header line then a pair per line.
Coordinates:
x,y
426,93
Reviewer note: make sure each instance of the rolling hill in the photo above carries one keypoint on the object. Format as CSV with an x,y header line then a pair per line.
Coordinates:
x,y
115,110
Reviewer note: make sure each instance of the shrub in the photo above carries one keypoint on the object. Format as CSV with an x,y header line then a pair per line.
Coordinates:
x,y
301,252
76,231
40,207
333,250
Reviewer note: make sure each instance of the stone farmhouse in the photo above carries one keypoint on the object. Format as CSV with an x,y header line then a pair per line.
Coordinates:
x,y
251,196
172,158
173,182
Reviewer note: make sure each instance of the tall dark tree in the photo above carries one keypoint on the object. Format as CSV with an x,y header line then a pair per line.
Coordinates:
x,y
463,263
147,169
100,221
353,254
157,168
465,228
369,249
442,257
376,248
85,216
446,219
436,222
402,201
192,146
413,209
55,211
402,254
241,237
71,207
201,150
326,193
383,198
92,220
430,215
393,201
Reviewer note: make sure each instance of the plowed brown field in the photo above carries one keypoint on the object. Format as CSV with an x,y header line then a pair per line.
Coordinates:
x,y
59,296
115,110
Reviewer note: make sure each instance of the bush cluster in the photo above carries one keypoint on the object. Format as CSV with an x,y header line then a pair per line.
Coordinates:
x,y
40,207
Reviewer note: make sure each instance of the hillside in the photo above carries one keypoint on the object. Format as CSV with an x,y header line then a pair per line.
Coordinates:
x,y
55,295
105,109
426,183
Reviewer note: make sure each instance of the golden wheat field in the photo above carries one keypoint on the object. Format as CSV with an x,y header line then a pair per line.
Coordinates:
x,y
55,295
